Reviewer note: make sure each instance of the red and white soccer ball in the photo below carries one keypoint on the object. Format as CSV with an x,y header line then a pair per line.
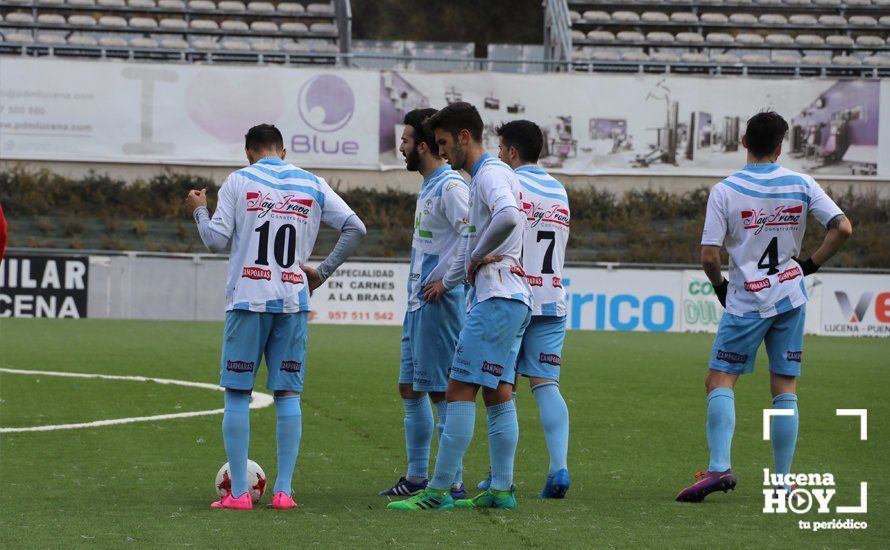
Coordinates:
x,y
256,481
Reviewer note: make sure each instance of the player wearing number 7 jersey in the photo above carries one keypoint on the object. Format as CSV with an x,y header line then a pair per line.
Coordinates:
x,y
760,214
271,212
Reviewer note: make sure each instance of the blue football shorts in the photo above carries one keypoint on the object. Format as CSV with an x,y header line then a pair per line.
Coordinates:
x,y
250,335
429,337
489,342
540,355
738,338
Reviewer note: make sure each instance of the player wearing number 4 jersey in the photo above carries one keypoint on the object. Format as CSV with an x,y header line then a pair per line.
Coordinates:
x,y
760,215
270,212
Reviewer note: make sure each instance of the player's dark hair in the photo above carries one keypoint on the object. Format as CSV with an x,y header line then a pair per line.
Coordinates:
x,y
765,132
415,120
454,118
262,137
526,136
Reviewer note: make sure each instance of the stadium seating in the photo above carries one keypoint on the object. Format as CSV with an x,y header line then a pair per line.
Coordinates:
x,y
838,34
285,28
833,33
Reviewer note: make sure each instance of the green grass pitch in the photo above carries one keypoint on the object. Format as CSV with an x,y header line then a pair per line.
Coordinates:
x,y
637,435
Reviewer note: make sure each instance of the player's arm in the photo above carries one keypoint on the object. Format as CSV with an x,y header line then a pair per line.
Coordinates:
x,y
839,229
456,206
711,241
217,231
351,235
337,214
497,194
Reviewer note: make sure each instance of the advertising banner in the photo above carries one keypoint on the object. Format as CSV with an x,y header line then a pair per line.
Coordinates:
x,y
643,124
855,305
623,299
186,114
362,294
54,109
44,286
701,309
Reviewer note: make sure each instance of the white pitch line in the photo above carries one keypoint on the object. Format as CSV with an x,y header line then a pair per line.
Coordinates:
x,y
260,400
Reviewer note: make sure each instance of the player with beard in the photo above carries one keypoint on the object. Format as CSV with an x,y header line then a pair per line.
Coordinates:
x,y
499,305
435,300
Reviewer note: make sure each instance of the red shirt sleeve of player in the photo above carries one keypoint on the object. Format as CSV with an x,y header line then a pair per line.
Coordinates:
x,y
2,233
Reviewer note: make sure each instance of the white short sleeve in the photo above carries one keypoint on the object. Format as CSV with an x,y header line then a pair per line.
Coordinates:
x,y
455,203
335,211
223,221
821,206
496,189
715,219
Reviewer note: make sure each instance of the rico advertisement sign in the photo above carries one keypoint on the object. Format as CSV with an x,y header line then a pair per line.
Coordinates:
x,y
44,286
856,305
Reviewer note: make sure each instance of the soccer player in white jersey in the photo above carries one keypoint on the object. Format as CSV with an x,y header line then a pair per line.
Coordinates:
x,y
760,215
270,212
544,202
435,299
499,303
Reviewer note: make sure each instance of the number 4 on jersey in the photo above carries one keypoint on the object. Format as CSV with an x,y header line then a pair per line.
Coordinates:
x,y
771,255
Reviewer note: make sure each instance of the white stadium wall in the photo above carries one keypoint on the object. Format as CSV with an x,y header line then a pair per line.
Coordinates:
x,y
149,114
190,287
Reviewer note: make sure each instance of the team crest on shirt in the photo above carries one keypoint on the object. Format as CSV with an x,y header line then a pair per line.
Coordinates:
x,y
289,205
782,217
537,213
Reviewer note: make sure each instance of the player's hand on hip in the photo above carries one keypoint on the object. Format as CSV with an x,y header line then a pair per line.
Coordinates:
x,y
196,199
313,279
476,264
434,291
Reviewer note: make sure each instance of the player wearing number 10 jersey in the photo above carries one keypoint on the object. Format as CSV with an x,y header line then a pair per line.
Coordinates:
x,y
760,214
545,205
271,212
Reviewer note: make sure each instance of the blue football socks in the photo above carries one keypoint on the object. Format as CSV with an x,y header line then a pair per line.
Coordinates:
x,y
555,421
453,444
442,413
418,433
783,432
236,436
503,436
721,424
289,431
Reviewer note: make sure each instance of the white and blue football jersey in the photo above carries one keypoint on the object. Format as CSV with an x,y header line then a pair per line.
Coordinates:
x,y
271,211
440,225
544,203
494,186
760,214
